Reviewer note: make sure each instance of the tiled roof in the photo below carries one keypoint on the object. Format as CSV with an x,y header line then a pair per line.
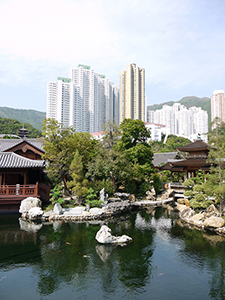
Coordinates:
x,y
162,158
6,144
13,160
197,145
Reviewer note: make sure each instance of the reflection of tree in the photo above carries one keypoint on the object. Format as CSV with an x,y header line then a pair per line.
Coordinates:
x,y
204,250
134,263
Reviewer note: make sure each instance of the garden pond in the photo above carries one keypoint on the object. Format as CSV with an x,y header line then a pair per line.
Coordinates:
x,y
64,261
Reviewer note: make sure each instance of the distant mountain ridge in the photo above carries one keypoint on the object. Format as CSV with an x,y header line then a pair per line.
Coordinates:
x,y
33,117
204,103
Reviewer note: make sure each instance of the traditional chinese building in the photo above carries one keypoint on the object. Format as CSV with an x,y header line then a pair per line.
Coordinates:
x,y
21,172
194,158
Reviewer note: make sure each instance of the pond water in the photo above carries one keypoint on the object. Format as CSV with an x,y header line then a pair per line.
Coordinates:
x,y
64,261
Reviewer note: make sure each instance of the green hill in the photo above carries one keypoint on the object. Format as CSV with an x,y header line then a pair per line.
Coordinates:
x,y
204,103
33,117
11,127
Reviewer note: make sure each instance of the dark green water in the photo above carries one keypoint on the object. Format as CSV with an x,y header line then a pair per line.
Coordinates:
x,y
64,261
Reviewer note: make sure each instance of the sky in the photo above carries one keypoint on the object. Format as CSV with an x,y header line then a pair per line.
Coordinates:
x,y
180,43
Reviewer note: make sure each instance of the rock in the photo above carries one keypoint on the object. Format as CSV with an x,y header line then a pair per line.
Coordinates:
x,y
113,199
35,213
150,196
167,194
198,217
181,207
104,236
187,213
57,210
96,211
214,222
102,195
183,201
132,198
212,211
122,195
29,203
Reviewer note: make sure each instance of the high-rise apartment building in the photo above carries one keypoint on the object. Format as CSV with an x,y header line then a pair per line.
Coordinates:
x,y
218,105
86,100
132,93
181,121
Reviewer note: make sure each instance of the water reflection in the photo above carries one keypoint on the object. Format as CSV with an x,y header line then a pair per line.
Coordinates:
x,y
67,256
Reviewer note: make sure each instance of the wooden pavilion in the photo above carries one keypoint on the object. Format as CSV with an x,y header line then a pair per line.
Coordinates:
x,y
194,158
21,172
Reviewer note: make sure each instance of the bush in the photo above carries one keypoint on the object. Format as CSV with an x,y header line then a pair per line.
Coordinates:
x,y
98,185
157,183
188,193
188,182
56,195
92,200
198,188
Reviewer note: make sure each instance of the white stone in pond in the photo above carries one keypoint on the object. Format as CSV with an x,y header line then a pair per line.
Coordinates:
x,y
104,236
28,203
57,210
96,211
35,212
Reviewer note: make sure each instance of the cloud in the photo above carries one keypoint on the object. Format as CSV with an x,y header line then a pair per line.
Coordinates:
x,y
181,44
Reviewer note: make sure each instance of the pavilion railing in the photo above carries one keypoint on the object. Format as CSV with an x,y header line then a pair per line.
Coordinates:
x,y
19,190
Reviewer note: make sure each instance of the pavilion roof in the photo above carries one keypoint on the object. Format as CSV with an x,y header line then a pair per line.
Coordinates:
x,y
12,160
198,145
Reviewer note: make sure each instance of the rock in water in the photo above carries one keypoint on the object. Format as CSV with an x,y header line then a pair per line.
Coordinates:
x,y
29,203
104,236
35,212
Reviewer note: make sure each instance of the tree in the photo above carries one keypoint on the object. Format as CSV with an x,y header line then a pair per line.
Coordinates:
x,y
133,132
216,179
60,145
78,184
109,163
134,142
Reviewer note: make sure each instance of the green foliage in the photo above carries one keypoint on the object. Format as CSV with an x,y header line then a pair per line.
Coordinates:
x,y
188,182
60,145
198,188
56,195
188,193
133,132
157,183
11,126
216,178
171,145
78,184
92,200
98,185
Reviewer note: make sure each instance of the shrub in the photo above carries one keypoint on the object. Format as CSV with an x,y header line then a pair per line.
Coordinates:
x,y
92,200
56,195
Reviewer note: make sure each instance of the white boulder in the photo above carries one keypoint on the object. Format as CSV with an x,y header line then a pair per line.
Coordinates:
x,y
35,212
104,236
57,210
29,203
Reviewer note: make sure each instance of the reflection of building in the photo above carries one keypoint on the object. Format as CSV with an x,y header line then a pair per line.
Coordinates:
x,y
218,105
86,100
21,172
132,93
